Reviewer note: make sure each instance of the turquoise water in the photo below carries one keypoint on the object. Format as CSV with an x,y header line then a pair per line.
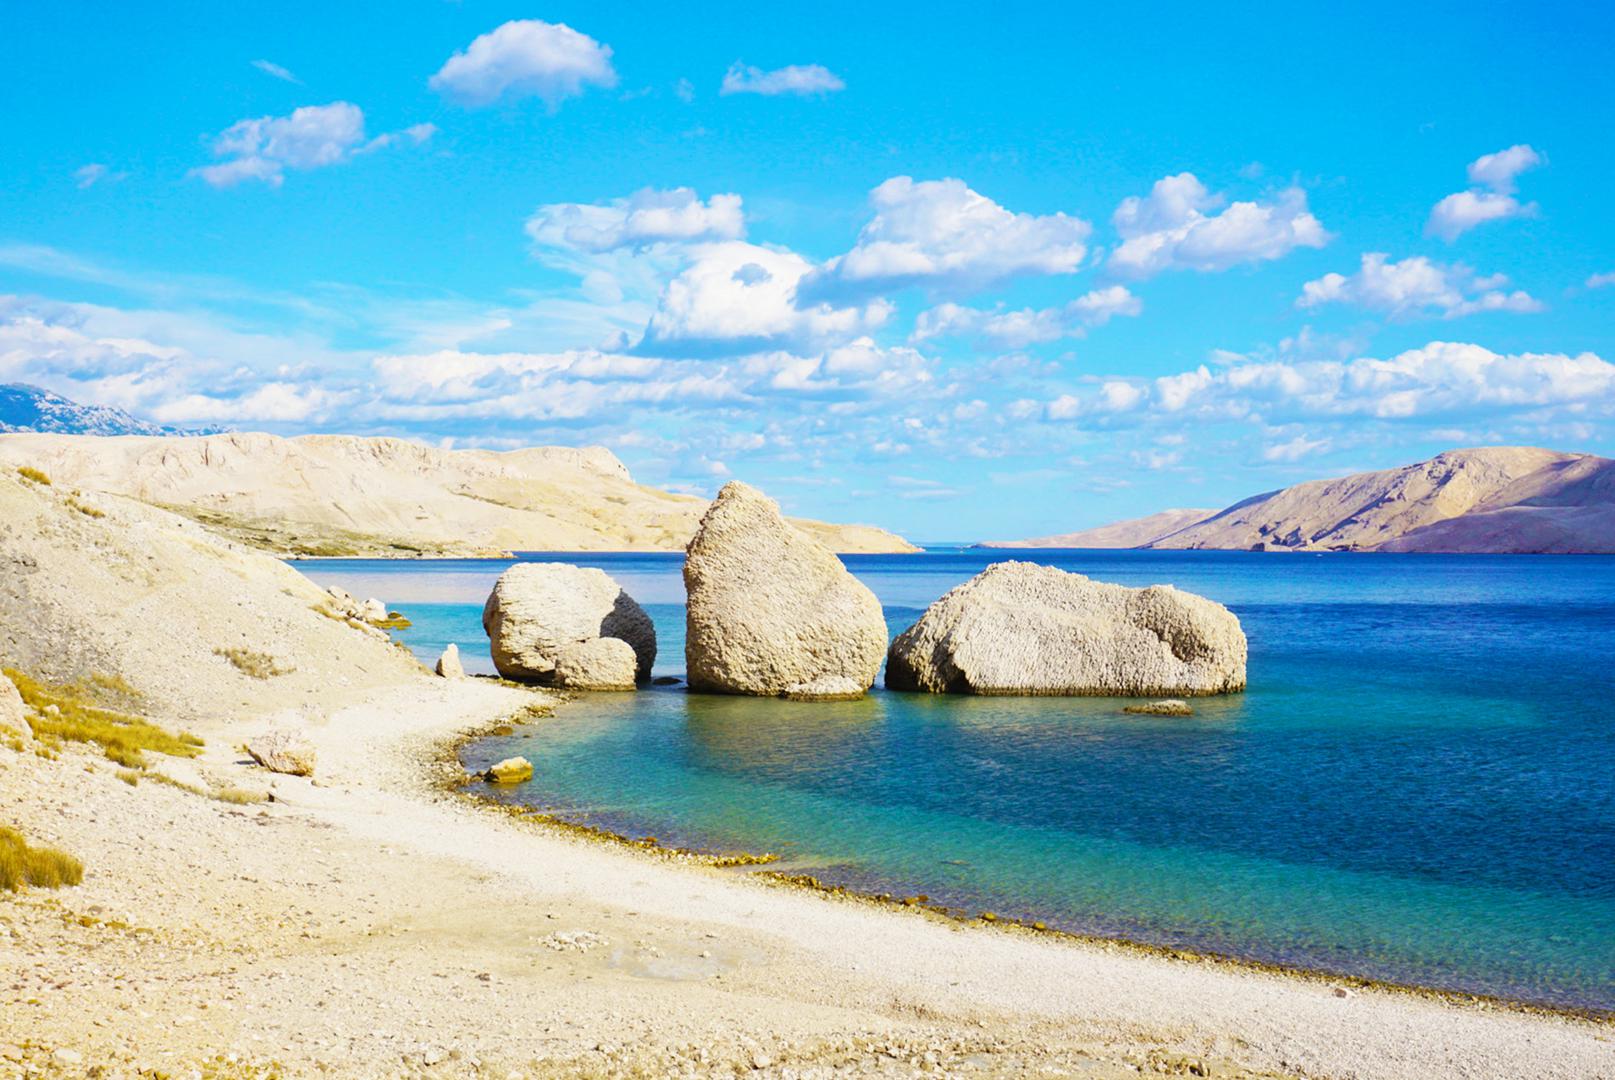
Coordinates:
x,y
1419,785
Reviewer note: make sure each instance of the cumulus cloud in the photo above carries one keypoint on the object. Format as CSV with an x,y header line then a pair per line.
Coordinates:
x,y
525,58
1490,197
1417,286
1498,171
646,217
943,236
1601,281
735,297
801,79
275,402
275,71
312,137
1440,379
1172,228
1017,329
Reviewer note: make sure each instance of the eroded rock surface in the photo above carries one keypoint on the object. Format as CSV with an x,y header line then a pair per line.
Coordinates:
x,y
1021,628
773,612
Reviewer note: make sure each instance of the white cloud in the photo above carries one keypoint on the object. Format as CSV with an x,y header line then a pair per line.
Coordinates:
x,y
1294,449
646,217
275,402
801,79
1491,196
1440,379
736,297
1417,286
526,58
1016,329
275,71
1171,229
1601,281
87,176
943,236
1498,171
684,89
312,137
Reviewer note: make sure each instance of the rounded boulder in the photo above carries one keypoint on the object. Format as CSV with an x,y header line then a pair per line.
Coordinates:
x,y
1022,628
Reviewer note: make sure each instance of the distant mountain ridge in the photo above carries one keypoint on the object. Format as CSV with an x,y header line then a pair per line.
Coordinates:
x,y
32,408
1502,499
1134,533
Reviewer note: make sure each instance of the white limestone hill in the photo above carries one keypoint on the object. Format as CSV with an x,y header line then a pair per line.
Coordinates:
x,y
1496,499
351,495
1133,533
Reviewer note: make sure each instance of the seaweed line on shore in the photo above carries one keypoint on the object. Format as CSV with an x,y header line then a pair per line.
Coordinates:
x,y
449,776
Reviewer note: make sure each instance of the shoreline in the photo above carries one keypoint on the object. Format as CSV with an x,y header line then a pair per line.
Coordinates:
x,y
463,784
382,920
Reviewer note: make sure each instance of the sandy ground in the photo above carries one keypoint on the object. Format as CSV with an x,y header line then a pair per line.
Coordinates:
x,y
372,923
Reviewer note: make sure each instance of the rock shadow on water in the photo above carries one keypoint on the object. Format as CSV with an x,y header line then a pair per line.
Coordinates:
x,y
777,734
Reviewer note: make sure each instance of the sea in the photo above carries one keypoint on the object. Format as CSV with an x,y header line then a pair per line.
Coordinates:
x,y
1418,786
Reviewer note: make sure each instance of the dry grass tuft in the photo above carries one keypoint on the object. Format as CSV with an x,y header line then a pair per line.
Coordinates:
x,y
86,509
28,472
251,662
45,867
72,713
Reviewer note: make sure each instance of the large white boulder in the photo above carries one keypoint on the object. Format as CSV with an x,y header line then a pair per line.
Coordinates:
x,y
1021,628
539,613
773,612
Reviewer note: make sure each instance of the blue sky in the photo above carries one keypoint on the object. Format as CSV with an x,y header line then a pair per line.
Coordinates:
x,y
959,274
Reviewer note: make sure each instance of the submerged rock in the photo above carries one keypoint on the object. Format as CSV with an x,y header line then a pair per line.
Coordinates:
x,y
13,713
541,613
448,665
512,770
1021,628
1165,707
283,752
773,612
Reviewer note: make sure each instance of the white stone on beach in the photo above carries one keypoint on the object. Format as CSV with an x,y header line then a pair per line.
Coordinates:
x,y
448,665
773,612
373,611
283,752
540,612
1021,628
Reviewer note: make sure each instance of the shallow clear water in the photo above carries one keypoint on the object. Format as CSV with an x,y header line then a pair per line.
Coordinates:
x,y
1419,785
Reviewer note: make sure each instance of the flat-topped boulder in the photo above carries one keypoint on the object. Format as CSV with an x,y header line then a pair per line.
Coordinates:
x,y
1021,628
773,612
545,620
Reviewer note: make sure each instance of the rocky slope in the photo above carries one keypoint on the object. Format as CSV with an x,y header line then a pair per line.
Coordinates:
x,y
1501,499
347,495
1133,533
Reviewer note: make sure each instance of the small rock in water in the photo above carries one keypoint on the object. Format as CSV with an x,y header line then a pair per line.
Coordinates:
x,y
448,665
512,770
1166,707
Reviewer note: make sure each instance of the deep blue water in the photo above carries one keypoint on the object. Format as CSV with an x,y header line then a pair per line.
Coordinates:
x,y
1419,785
